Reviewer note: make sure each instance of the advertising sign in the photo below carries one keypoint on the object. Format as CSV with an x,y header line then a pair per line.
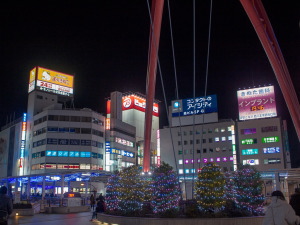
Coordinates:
x,y
136,102
32,78
191,106
256,103
51,81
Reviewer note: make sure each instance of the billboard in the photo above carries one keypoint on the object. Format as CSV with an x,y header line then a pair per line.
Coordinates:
x,y
191,106
134,102
51,81
256,103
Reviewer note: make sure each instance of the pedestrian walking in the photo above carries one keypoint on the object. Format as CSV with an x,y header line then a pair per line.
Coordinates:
x,y
295,201
280,212
6,206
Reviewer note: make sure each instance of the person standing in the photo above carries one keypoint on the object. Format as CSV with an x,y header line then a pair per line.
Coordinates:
x,y
92,202
295,201
6,206
280,212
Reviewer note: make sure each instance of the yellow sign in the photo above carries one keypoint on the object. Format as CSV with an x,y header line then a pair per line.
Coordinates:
x,y
54,77
32,75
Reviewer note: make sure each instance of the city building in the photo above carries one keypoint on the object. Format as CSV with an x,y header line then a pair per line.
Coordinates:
x,y
127,111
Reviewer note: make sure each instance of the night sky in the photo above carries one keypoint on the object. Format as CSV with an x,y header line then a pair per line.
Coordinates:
x,y
104,44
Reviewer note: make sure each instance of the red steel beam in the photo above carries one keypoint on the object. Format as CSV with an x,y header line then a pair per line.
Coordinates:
x,y
260,21
155,26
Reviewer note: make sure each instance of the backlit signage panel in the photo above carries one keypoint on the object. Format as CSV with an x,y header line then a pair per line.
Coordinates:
x,y
250,151
134,102
51,81
249,141
271,150
191,106
270,139
256,103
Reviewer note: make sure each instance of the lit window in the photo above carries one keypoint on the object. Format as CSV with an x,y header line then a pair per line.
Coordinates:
x,y
180,171
180,161
222,129
217,139
223,138
186,161
187,171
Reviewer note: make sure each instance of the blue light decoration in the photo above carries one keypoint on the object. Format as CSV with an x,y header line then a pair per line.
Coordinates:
x,y
112,194
191,106
125,195
166,192
246,190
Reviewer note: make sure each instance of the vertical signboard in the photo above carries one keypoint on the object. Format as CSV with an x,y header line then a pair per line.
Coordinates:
x,y
256,103
23,139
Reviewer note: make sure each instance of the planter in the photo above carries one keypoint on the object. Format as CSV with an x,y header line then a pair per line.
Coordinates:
x,y
121,220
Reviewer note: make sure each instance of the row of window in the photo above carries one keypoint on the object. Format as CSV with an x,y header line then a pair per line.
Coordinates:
x,y
204,131
263,130
204,150
266,161
85,119
192,171
205,160
81,166
75,130
210,140
55,153
60,141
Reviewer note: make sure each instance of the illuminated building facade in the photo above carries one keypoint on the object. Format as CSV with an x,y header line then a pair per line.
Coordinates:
x,y
60,138
262,135
126,116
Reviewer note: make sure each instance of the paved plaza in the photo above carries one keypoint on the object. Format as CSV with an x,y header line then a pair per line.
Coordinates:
x,y
54,219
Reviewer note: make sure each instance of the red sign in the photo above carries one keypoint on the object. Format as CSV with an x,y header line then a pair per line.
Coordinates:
x,y
134,102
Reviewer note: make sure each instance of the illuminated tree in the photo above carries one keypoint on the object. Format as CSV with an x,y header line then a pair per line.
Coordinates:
x,y
112,195
248,187
210,189
166,191
130,191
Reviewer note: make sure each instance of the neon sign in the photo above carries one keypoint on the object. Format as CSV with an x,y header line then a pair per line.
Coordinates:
x,y
23,140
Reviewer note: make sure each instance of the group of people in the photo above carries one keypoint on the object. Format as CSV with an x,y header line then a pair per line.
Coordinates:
x,y
280,212
97,205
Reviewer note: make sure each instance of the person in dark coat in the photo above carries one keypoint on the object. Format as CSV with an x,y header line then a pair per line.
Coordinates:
x,y
6,206
295,201
92,202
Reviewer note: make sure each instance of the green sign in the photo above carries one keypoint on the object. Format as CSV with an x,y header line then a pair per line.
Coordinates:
x,y
270,139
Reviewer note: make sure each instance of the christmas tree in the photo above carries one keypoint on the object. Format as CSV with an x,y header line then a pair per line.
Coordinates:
x,y
210,189
248,187
112,195
130,191
166,191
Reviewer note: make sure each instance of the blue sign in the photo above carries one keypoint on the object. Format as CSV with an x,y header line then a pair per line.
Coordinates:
x,y
271,150
195,106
